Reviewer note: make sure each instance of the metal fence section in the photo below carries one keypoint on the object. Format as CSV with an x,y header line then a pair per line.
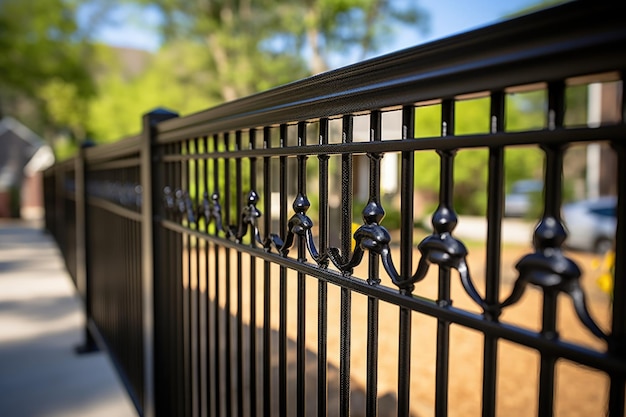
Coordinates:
x,y
226,276
113,257
60,206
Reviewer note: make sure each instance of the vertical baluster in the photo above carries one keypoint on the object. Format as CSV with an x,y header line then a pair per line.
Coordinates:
x,y
239,202
178,291
282,337
120,283
267,329
618,325
164,304
253,294
178,250
346,295
125,278
134,353
217,274
173,287
134,305
344,352
170,285
125,347
135,312
121,289
493,258
187,292
301,307
227,284
346,190
133,317
444,212
191,242
133,288
161,402
201,277
322,309
117,286
196,252
189,328
551,218
406,255
371,390
137,305
188,355
406,195
206,280
374,190
617,347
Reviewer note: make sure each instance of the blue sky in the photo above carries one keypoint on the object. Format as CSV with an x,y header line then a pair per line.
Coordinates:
x,y
132,27
448,17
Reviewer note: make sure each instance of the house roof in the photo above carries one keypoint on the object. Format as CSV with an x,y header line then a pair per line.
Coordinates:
x,y
22,153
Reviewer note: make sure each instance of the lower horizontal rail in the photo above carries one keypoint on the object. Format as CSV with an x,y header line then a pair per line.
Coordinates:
x,y
114,208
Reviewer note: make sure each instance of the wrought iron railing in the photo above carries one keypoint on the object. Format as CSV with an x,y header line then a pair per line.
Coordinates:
x,y
214,297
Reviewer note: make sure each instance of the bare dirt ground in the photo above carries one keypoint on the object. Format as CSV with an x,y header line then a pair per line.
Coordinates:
x,y
579,391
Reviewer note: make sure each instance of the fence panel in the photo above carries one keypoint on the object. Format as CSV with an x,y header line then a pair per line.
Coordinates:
x,y
270,298
60,205
114,245
239,184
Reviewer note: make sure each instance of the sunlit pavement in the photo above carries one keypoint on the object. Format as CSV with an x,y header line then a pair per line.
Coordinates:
x,y
40,325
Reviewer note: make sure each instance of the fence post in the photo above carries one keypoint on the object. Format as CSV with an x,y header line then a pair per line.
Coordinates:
x,y
150,201
82,252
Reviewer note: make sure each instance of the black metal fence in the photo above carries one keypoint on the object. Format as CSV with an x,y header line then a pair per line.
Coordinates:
x,y
222,270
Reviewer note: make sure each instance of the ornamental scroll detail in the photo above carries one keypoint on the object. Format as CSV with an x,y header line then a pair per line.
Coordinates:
x,y
547,267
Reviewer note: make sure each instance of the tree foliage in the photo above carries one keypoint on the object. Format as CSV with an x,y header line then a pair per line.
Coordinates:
x,y
322,28
240,34
524,112
217,51
42,62
55,79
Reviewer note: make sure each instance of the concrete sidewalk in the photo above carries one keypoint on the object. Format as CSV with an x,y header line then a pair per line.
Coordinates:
x,y
41,322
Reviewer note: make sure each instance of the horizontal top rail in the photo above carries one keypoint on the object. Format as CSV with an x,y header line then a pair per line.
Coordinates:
x,y
542,46
109,151
66,165
559,136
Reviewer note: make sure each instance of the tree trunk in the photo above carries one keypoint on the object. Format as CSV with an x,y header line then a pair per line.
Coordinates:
x,y
318,63
228,91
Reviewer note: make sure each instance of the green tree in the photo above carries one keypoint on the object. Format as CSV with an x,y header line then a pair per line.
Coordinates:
x,y
470,168
221,50
178,77
173,78
324,28
243,38
42,59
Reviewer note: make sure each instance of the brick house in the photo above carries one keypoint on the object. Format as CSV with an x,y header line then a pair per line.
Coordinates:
x,y
23,157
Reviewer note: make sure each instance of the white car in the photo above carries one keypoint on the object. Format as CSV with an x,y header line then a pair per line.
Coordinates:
x,y
591,224
519,201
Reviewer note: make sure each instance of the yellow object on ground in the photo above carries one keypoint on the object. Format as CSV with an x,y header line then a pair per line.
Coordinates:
x,y
607,268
